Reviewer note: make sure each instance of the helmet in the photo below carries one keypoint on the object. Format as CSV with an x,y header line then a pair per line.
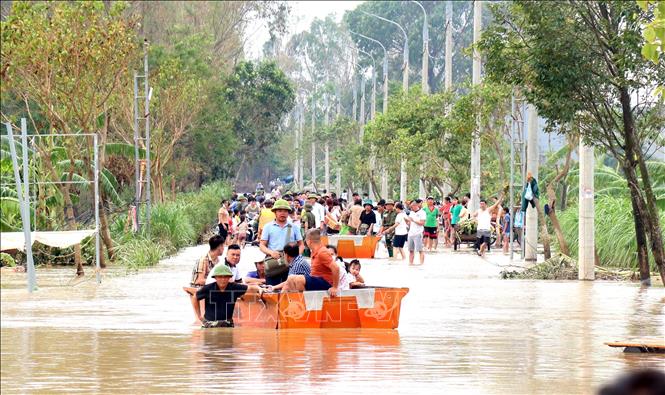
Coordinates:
x,y
221,270
281,204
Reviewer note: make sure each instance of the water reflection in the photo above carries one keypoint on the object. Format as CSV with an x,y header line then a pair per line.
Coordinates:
x,y
461,331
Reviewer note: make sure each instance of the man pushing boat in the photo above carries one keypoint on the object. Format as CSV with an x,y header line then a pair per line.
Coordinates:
x,y
220,298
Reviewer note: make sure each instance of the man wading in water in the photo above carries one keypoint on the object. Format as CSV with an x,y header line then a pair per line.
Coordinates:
x,y
220,298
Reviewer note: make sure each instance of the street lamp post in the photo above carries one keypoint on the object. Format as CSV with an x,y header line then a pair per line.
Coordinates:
x,y
326,148
405,87
313,144
385,68
384,176
425,88
476,79
425,70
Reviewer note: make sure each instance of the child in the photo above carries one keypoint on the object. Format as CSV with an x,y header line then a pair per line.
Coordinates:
x,y
354,272
243,225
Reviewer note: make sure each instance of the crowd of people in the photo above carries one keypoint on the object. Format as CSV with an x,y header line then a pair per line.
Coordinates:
x,y
288,228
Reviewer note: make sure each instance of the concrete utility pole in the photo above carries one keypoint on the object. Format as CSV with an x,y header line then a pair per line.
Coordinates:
x,y
405,87
301,159
355,97
586,253
338,179
362,109
296,138
425,70
326,172
531,247
384,176
313,145
448,71
475,144
425,88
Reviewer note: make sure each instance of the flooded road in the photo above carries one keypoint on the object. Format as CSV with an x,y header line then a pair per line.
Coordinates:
x,y
462,330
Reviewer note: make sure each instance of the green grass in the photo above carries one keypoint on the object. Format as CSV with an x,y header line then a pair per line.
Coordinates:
x,y
614,232
139,253
173,225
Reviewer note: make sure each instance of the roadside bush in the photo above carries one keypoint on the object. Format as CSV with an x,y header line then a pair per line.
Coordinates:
x,y
173,225
615,232
140,252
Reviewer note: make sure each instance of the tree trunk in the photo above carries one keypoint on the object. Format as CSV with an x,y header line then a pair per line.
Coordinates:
x,y
173,188
544,233
551,197
647,206
500,159
71,225
641,239
240,167
105,233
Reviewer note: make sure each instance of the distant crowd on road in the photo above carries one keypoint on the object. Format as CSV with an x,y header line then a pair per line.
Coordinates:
x,y
288,229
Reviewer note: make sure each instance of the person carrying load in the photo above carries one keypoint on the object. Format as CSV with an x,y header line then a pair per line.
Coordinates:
x,y
274,237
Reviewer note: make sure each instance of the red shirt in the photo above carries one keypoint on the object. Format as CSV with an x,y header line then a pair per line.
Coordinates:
x,y
321,260
445,210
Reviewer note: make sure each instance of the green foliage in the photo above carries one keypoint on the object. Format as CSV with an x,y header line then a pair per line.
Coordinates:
x,y
614,231
256,97
435,129
82,47
7,260
174,225
140,252
547,52
654,33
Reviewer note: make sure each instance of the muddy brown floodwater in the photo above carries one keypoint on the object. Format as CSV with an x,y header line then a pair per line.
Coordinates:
x,y
462,330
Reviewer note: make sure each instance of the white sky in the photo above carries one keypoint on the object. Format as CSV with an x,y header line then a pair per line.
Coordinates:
x,y
302,15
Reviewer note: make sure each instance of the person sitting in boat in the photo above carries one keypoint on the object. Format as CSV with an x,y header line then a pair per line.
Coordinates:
x,y
298,266
220,298
357,280
208,261
344,279
325,272
232,259
257,276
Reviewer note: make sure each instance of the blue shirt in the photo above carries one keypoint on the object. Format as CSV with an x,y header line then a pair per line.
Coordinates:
x,y
276,235
254,274
299,266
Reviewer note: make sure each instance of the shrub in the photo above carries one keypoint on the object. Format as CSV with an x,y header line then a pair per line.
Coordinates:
x,y
615,232
140,252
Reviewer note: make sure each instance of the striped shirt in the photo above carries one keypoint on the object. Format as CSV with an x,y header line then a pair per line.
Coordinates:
x,y
299,266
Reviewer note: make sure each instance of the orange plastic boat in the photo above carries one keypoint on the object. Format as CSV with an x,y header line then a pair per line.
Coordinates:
x,y
370,307
349,246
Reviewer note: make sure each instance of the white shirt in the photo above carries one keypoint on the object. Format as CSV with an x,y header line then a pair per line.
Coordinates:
x,y
484,220
344,280
379,221
336,213
401,229
414,228
319,214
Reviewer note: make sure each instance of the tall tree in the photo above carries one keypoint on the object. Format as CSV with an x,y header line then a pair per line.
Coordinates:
x,y
580,63
257,97
68,58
